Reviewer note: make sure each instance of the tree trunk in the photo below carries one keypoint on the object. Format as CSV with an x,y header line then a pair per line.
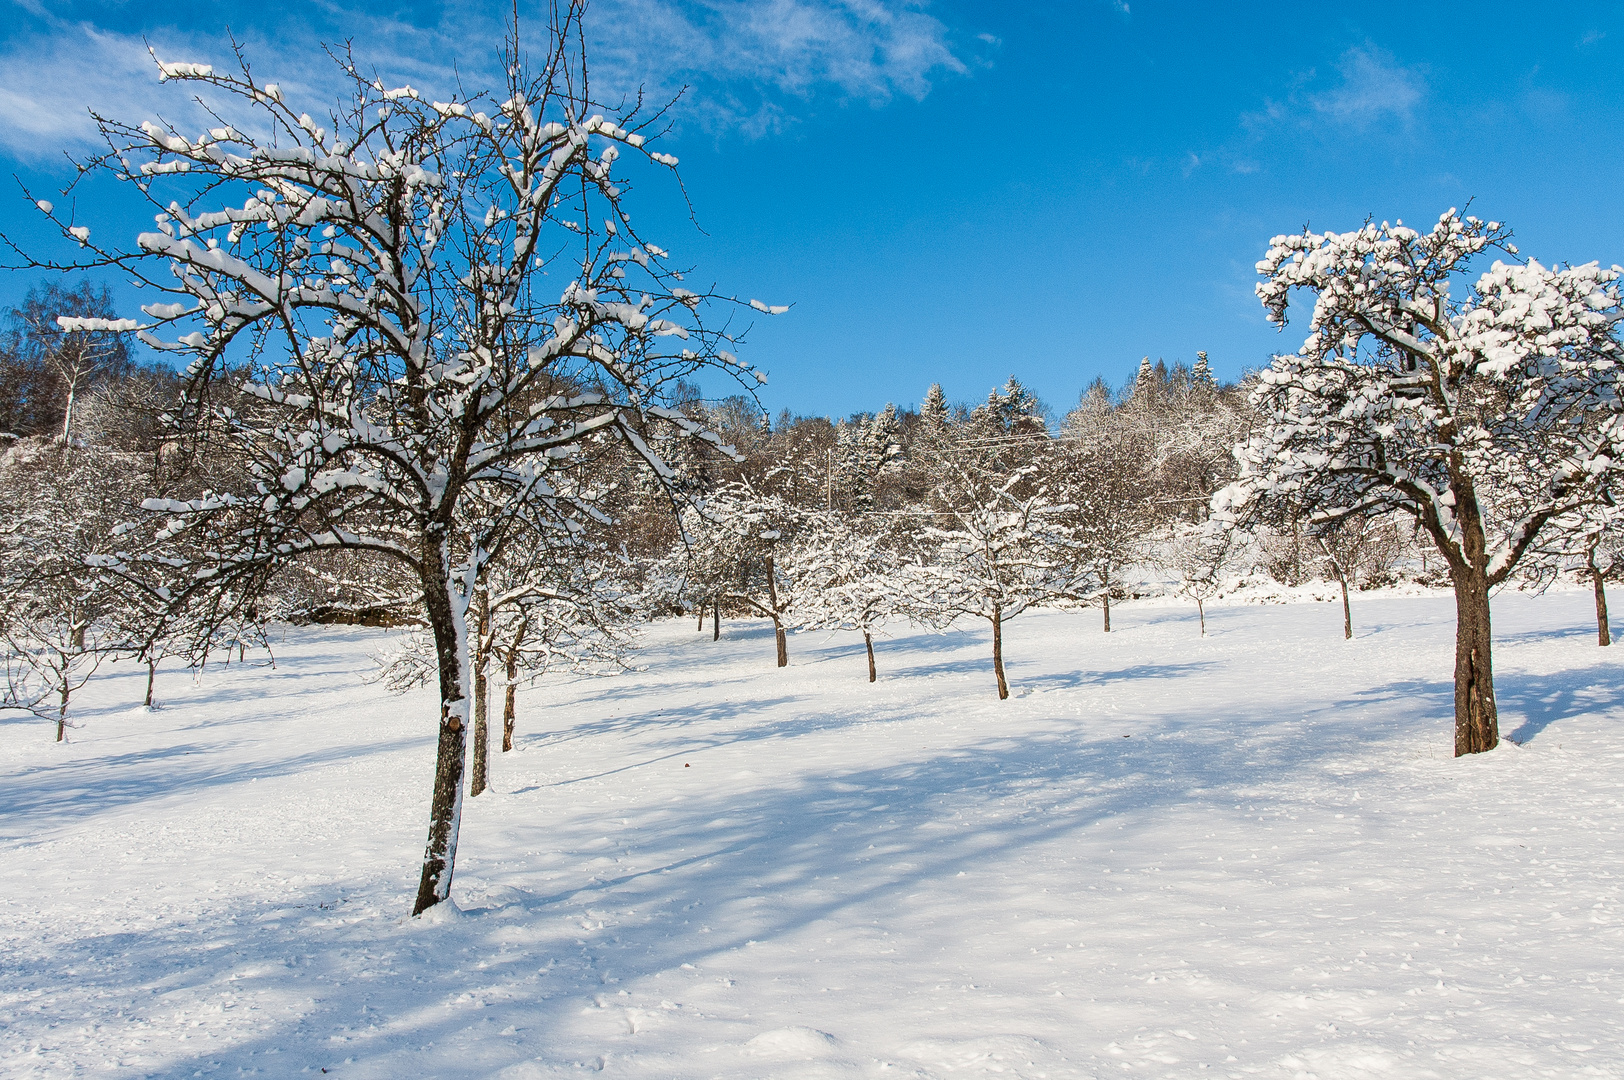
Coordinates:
x,y
998,652
1201,612
451,648
1477,725
868,642
701,618
716,619
509,713
1342,580
1105,605
62,715
480,776
1604,633
1347,612
152,673
778,626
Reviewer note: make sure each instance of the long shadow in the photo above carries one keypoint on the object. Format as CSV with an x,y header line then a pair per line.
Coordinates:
x,y
83,787
867,838
860,842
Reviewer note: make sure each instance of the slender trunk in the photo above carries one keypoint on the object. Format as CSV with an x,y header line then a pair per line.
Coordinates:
x,y
998,652
1201,612
62,713
1477,725
701,619
1105,599
778,626
152,673
1604,633
716,619
67,420
1347,612
480,776
868,643
1342,580
451,648
509,712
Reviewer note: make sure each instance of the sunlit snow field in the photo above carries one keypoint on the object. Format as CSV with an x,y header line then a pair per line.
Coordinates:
x,y
1244,855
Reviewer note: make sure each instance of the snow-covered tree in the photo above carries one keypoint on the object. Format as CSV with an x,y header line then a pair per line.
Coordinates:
x,y
46,367
1481,410
865,449
57,513
740,554
416,299
1144,380
1201,559
1201,374
1104,471
852,578
934,413
1585,544
1000,549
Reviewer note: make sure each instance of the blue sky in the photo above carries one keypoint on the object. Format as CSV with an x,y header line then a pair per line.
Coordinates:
x,y
955,191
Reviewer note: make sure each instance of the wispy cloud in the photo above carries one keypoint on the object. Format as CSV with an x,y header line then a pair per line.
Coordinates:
x,y
1370,87
751,62
745,65
1374,87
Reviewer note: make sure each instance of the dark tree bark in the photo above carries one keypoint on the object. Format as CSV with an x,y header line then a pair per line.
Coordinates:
x,y
868,643
480,777
1105,598
1477,723
701,628
445,807
998,652
1604,633
716,619
509,712
1201,612
152,673
778,625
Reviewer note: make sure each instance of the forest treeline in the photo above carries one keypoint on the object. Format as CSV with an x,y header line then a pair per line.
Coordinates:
x,y
925,514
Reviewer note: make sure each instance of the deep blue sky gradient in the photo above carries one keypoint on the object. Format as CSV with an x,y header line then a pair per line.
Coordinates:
x,y
1076,185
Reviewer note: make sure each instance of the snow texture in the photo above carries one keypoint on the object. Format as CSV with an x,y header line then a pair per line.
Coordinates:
x,y
1245,855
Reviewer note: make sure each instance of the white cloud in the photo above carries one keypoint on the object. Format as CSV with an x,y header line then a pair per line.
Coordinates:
x,y
1375,86
752,61
746,65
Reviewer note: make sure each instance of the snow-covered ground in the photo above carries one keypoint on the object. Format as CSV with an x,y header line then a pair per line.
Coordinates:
x,y
1245,855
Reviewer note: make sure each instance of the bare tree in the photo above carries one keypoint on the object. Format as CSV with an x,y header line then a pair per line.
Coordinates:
x,y
417,300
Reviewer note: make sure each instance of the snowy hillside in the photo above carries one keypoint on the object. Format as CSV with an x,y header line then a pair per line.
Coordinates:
x,y
1246,855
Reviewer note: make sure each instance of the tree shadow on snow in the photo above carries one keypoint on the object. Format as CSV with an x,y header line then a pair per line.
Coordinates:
x,y
1544,699
79,788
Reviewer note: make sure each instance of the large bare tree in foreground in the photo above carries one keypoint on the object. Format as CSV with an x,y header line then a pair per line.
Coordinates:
x,y
410,308
1483,409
